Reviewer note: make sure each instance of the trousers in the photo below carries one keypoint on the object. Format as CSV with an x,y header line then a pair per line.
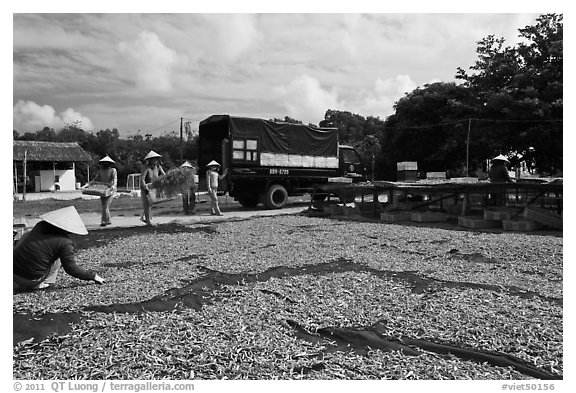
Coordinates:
x,y
215,209
48,278
106,201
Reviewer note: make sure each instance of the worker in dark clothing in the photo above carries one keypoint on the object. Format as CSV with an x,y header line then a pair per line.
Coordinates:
x,y
499,174
498,171
39,254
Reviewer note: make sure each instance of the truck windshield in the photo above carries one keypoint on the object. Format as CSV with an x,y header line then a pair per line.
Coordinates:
x,y
350,156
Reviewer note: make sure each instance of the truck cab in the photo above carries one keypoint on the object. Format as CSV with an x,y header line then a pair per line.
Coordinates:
x,y
350,164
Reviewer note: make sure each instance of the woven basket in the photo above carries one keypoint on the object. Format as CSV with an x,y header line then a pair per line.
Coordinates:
x,y
98,189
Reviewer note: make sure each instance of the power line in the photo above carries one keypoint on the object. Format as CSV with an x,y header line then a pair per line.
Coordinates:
x,y
473,120
162,126
426,125
453,122
522,121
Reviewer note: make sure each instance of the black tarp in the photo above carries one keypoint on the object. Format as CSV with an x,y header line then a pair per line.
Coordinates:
x,y
284,138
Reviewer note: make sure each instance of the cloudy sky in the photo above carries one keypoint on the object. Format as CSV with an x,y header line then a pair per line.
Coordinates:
x,y
139,71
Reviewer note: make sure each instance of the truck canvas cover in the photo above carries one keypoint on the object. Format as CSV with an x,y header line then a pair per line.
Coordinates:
x,y
279,144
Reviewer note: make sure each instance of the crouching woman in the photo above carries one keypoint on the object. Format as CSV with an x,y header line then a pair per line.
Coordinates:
x,y
39,254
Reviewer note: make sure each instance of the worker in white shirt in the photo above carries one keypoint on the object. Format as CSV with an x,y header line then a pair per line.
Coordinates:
x,y
212,178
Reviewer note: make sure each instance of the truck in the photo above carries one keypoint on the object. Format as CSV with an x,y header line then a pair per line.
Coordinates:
x,y
268,161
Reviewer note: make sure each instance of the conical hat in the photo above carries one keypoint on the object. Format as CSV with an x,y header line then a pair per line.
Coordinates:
x,y
213,163
107,159
152,154
500,158
67,219
186,165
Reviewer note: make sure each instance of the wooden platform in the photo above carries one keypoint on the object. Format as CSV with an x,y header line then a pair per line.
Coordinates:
x,y
438,202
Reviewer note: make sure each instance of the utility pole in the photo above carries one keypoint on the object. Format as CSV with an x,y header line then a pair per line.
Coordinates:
x,y
181,140
15,180
24,186
468,147
373,159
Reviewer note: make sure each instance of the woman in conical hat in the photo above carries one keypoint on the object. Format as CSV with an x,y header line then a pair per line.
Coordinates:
x,y
107,160
66,219
152,155
152,171
498,172
500,157
109,176
212,178
189,198
39,254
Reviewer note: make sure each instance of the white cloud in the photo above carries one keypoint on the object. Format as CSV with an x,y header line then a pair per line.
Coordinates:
x,y
148,62
29,116
395,87
229,63
234,34
306,100
380,101
70,116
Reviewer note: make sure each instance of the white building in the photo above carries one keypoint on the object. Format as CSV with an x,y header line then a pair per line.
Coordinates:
x,y
47,166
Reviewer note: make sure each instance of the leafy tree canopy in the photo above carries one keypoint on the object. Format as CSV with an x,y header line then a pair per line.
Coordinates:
x,y
509,101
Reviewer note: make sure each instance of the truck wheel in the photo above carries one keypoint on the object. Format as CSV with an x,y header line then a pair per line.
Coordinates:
x,y
248,200
275,197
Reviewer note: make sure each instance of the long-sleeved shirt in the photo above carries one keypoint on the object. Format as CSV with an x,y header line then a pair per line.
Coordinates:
x,y
212,180
109,176
34,254
499,174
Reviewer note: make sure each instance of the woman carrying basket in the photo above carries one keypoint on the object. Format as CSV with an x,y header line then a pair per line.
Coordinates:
x,y
152,171
108,176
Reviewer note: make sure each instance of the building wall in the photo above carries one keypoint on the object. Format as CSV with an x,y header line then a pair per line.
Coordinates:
x,y
67,180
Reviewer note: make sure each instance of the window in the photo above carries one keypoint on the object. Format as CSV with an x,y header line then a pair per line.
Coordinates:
x,y
245,150
349,156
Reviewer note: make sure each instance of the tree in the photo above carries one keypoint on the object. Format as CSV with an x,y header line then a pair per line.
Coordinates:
x,y
509,100
429,126
366,134
521,90
349,125
73,133
287,119
188,132
47,134
107,142
369,148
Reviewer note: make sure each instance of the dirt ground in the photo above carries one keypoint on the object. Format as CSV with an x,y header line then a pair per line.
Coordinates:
x,y
125,205
297,297
293,296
